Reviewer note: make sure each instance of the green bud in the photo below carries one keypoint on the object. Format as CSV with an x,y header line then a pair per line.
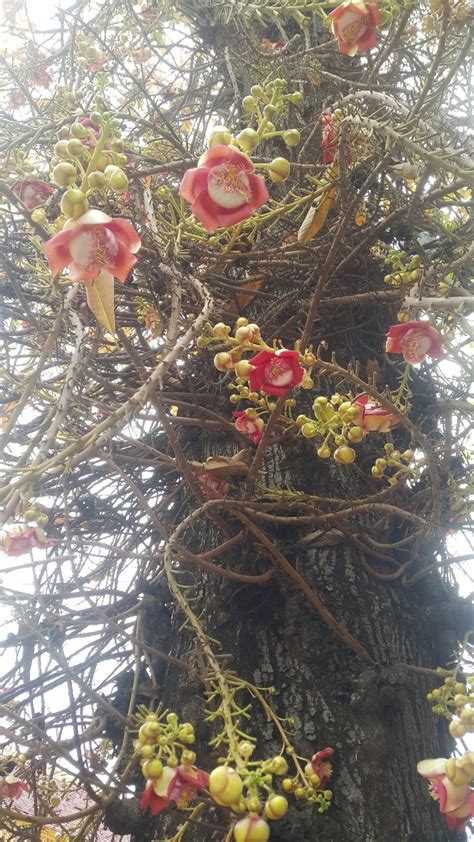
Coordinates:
x,y
60,149
291,137
64,174
269,110
296,98
247,139
96,180
249,104
118,181
96,118
220,135
256,91
74,203
279,169
75,148
78,130
117,146
63,132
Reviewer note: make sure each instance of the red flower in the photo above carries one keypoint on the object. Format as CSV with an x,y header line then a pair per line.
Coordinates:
x,y
12,787
251,427
32,194
24,540
449,785
373,417
178,785
94,244
212,487
223,189
321,767
415,340
353,24
275,372
329,143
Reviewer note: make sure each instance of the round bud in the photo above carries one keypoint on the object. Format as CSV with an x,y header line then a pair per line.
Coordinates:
x,y
381,464
251,829
296,98
188,758
96,118
78,130
323,452
344,455
75,148
119,159
220,330
241,321
118,181
320,401
172,719
279,765
309,431
340,440
39,215
256,91
351,414
147,752
225,786
276,807
408,454
30,514
269,128
269,110
356,434
74,203
152,769
64,174
220,135
376,472
243,369
459,687
248,139
247,333
253,804
63,132
279,169
42,520
291,137
302,419
96,180
344,406
60,149
249,104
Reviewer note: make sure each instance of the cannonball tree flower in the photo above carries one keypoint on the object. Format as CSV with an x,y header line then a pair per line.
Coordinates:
x,y
275,372
32,193
415,340
12,787
353,25
372,416
251,427
223,189
450,786
329,143
93,244
22,541
178,785
321,767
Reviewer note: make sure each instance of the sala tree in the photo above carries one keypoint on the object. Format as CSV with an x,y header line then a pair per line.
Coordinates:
x,y
235,282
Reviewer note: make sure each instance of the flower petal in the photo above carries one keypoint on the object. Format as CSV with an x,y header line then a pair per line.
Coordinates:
x,y
57,251
432,768
194,181
125,232
259,189
222,154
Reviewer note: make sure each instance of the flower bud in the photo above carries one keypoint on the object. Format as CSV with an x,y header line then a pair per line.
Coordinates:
x,y
376,472
78,130
247,333
279,765
356,434
344,455
220,330
223,361
152,769
309,431
324,452
220,135
291,137
243,369
279,169
74,203
296,98
249,104
302,419
96,118
225,786
241,322
147,752
118,181
188,758
39,215
75,148
247,139
251,829
64,174
60,149
256,91
96,180
276,807
63,132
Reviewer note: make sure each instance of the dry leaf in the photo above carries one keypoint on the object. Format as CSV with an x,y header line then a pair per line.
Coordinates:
x,y
316,217
224,467
100,298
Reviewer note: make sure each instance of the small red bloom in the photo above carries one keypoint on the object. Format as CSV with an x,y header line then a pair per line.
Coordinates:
x,y
275,372
25,540
373,417
212,487
251,427
94,244
12,787
415,340
32,193
178,785
329,143
321,767
223,189
354,25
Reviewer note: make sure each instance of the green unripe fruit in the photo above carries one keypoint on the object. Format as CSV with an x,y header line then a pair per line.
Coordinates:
x,y
78,130
118,181
75,148
74,203
64,174
96,180
256,91
249,104
248,139
291,137
60,149
279,169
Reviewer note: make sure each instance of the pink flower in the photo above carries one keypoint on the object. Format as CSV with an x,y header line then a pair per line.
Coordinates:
x,y
275,372
321,767
251,427
415,340
42,78
449,785
329,143
32,194
373,417
12,787
93,244
212,487
223,189
178,785
97,63
353,25
24,540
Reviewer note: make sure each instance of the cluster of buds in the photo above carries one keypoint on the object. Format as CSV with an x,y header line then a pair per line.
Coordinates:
x,y
403,271
313,787
91,144
394,459
455,701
